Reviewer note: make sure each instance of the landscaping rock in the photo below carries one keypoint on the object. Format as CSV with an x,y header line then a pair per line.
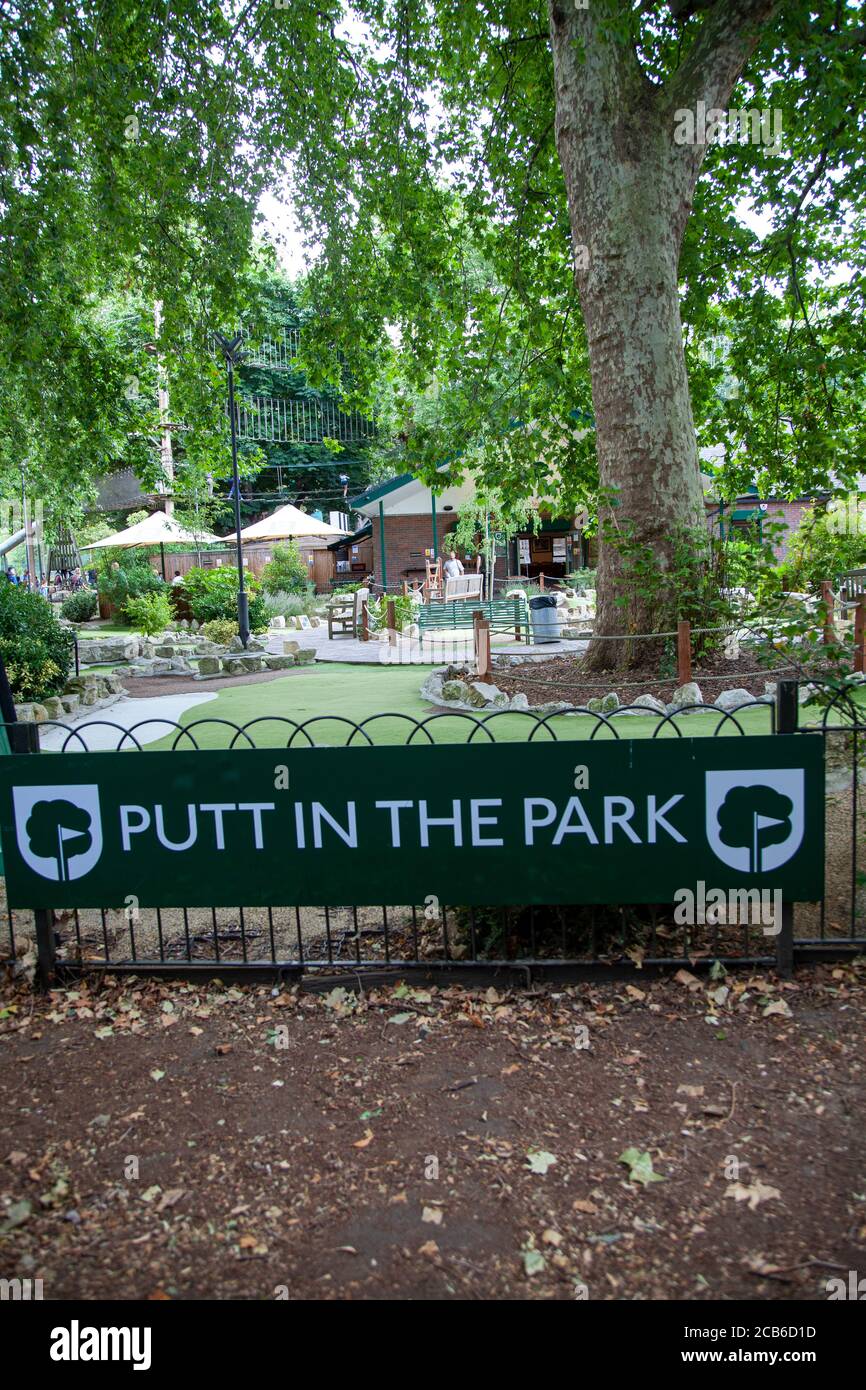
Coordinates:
x,y
519,701
732,699
431,688
594,704
490,694
610,703
290,647
250,664
650,702
53,707
279,663
688,694
92,653
209,666
181,667
305,656
455,690
278,621
231,666
166,649
70,703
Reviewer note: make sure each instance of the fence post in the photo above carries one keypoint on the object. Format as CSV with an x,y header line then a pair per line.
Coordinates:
x,y
787,718
541,581
860,636
827,601
684,652
391,620
365,622
481,634
24,738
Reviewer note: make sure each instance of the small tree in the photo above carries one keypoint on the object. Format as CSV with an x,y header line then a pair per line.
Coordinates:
x,y
287,571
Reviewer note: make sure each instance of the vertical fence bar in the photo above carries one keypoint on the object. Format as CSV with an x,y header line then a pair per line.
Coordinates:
x,y
787,715
24,738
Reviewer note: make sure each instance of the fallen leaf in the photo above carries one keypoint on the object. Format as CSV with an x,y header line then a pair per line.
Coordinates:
x,y
433,1215
640,1166
362,1143
756,1193
538,1161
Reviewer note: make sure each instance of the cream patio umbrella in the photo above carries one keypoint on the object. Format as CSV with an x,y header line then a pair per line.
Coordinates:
x,y
288,523
156,529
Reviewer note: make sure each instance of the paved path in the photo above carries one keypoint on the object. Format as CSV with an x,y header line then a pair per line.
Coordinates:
x,y
435,649
101,736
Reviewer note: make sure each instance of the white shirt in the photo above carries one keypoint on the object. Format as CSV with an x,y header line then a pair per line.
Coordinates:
x,y
452,569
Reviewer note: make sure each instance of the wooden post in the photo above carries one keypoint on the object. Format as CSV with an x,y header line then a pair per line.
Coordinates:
x,y
541,581
365,622
860,636
827,601
405,588
481,627
684,652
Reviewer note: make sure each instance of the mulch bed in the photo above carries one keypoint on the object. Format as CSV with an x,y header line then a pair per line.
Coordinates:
x,y
561,679
145,687
383,1147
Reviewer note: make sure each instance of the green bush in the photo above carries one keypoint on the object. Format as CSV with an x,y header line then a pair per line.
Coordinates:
x,y
220,630
80,607
213,593
124,575
820,550
36,650
287,572
149,613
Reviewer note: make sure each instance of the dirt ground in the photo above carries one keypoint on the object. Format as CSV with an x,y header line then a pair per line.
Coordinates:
x,y
561,678
657,1139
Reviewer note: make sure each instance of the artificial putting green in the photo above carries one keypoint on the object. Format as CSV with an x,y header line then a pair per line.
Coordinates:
x,y
331,691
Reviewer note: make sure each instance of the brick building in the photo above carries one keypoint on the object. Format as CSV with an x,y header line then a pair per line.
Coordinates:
x,y
411,525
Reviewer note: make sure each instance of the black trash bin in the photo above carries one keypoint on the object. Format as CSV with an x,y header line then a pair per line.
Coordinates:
x,y
543,616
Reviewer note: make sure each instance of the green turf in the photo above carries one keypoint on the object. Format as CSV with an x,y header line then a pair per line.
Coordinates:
x,y
358,692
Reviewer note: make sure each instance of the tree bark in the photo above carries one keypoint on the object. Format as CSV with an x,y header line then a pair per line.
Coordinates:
x,y
629,187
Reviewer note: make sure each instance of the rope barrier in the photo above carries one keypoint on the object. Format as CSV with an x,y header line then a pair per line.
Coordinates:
x,y
629,685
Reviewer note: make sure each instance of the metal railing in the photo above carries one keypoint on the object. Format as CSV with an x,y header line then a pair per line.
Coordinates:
x,y
526,941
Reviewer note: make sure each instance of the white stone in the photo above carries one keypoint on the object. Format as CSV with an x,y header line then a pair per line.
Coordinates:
x,y
732,699
688,694
650,702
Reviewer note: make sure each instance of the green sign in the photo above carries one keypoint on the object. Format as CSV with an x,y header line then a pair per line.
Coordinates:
x,y
629,820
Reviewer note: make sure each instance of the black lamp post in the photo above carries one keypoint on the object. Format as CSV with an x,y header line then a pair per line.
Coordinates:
x,y
229,348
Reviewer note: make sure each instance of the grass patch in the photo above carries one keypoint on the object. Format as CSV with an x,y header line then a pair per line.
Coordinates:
x,y
331,693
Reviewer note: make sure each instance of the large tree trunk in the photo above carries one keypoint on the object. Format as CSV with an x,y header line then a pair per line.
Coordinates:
x,y
629,188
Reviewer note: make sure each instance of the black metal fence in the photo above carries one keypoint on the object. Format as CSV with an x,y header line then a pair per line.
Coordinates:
x,y
431,937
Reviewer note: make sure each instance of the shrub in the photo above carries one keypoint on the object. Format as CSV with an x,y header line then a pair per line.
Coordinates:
x,y
286,572
36,650
149,613
286,605
820,550
220,630
125,575
213,593
78,608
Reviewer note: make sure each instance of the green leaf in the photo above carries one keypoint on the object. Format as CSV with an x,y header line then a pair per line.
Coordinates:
x,y
640,1166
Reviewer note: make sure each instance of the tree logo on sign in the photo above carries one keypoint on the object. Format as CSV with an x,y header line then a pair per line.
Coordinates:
x,y
59,829
755,819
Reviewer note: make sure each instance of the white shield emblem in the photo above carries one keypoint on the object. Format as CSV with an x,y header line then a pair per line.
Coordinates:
x,y
59,829
755,818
